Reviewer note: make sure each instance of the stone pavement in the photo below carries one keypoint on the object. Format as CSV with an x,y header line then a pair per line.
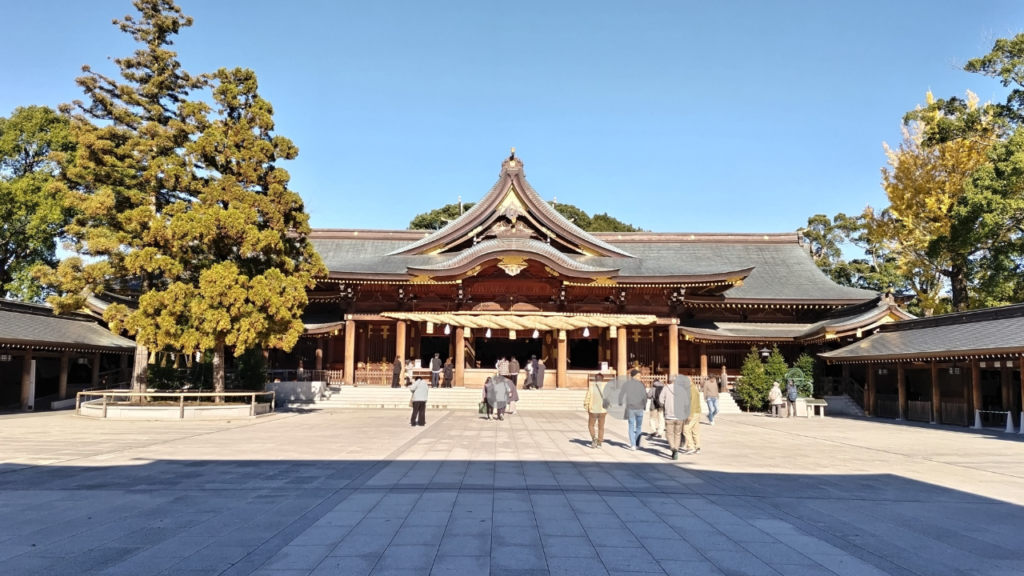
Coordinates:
x,y
360,492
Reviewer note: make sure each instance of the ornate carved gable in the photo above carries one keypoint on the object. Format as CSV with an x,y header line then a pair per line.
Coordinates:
x,y
512,209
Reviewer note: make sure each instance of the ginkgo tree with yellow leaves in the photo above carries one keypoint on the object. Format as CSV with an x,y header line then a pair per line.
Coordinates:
x,y
922,185
181,205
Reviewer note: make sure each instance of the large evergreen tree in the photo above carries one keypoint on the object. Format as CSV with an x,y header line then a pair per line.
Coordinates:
x,y
182,204
32,213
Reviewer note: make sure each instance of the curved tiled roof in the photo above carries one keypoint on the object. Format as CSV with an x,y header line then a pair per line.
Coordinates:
x,y
842,320
510,177
989,332
35,326
520,245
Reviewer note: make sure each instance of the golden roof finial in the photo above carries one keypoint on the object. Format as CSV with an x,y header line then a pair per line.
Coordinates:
x,y
513,151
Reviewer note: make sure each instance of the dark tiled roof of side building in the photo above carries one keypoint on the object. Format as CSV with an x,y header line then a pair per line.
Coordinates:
x,y
36,326
988,332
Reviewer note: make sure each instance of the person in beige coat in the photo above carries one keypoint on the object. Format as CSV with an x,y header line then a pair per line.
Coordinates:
x,y
594,404
691,430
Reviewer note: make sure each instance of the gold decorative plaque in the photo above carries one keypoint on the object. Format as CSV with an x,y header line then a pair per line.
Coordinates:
x,y
512,265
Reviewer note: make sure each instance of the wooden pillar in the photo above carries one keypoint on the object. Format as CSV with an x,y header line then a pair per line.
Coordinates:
x,y
621,360
62,384
704,360
673,349
1004,386
460,356
125,376
1020,366
562,373
901,385
400,350
869,391
26,381
96,370
976,385
319,353
936,395
350,352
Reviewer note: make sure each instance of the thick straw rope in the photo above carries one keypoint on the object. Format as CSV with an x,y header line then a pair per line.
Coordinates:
x,y
523,321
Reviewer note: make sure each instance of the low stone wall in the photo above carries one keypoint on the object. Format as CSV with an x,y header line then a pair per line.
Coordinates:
x,y
286,393
94,409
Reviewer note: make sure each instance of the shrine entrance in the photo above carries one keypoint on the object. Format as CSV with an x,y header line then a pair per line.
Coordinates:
x,y
584,354
489,350
430,345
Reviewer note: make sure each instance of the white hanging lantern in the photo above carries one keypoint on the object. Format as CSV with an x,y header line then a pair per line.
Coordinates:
x,y
430,327
613,332
447,329
488,334
511,334
536,334
586,332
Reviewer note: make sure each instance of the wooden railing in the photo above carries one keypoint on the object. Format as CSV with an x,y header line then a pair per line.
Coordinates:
x,y
887,406
106,397
919,411
955,413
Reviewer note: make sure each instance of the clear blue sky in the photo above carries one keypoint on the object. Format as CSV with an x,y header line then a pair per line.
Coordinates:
x,y
674,116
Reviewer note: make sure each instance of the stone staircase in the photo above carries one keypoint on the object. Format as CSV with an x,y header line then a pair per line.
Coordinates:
x,y
726,404
447,399
843,405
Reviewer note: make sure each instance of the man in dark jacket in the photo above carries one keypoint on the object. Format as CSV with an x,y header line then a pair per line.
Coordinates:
x,y
435,370
633,396
396,376
449,374
513,371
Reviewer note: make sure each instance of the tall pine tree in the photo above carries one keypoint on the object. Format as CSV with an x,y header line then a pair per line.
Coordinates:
x,y
183,206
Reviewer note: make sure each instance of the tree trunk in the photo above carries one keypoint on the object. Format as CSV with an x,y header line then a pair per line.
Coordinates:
x,y
958,285
140,371
218,369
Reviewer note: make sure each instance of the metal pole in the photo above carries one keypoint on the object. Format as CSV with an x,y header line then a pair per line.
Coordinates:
x,y
104,405
78,403
181,407
252,407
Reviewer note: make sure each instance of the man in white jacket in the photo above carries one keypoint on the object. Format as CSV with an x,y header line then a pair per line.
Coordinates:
x,y
419,391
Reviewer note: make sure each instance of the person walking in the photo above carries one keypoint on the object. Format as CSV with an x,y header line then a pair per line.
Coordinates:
x,y
501,395
673,398
656,409
711,397
634,397
691,430
449,373
410,366
488,396
529,375
791,395
775,399
419,402
513,396
594,404
435,370
538,373
513,371
396,375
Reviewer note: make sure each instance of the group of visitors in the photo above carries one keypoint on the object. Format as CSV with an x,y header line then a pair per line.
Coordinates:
x,y
500,396
677,421
777,400
441,375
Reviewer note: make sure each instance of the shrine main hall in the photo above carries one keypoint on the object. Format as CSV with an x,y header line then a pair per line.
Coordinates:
x,y
513,277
